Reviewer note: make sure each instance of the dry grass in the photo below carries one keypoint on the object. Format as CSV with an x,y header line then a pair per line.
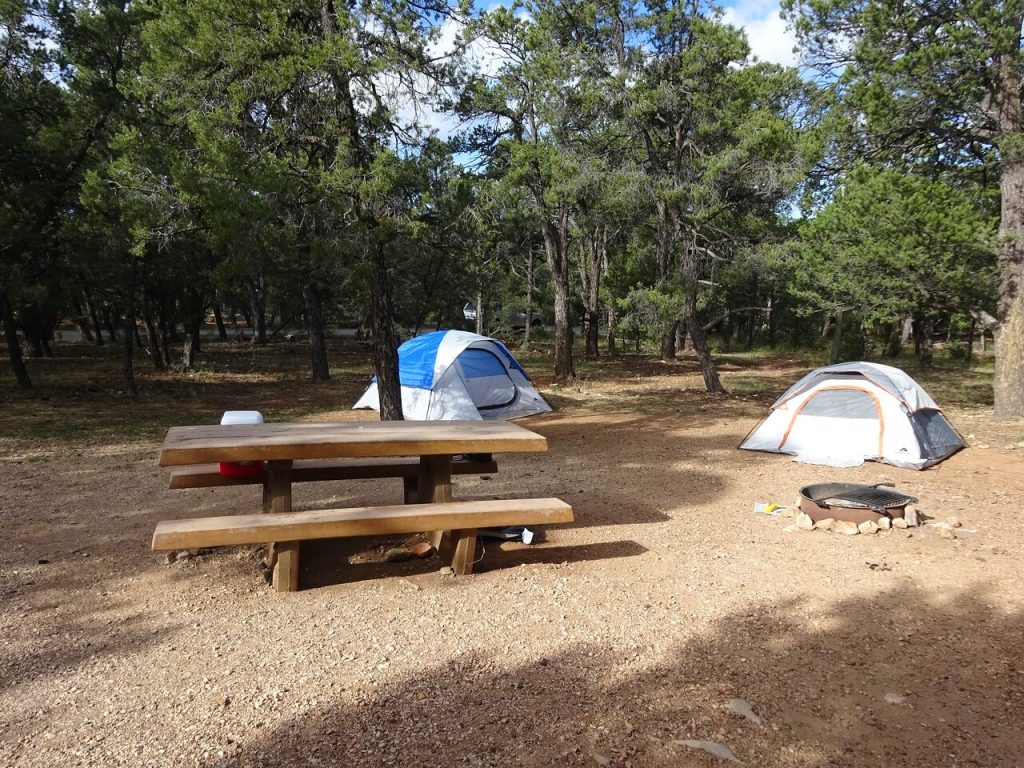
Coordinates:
x,y
78,398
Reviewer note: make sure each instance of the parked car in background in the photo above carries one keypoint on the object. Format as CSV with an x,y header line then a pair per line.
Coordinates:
x,y
515,318
519,317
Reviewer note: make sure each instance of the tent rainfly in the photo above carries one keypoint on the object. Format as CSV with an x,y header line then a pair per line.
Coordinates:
x,y
842,415
449,375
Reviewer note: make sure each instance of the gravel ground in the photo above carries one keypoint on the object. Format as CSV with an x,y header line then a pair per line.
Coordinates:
x,y
611,642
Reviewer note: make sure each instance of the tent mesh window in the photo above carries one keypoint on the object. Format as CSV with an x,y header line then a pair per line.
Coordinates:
x,y
488,382
935,433
841,403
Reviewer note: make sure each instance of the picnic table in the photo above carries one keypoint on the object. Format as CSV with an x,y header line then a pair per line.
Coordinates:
x,y
280,445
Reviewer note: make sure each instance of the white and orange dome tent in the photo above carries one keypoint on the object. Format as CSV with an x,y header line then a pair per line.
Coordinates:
x,y
845,414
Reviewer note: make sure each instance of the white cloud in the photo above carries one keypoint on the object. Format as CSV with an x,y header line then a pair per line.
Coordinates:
x,y
770,38
421,105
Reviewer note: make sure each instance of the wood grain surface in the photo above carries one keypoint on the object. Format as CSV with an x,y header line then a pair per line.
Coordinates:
x,y
265,442
231,530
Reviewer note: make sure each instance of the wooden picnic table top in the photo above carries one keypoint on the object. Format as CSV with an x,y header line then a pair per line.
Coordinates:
x,y
350,439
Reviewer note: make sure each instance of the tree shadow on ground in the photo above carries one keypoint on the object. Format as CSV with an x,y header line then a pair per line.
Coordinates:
x,y
67,634
895,679
676,465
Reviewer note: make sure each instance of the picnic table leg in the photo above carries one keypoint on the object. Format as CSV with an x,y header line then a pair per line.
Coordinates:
x,y
266,510
411,489
435,485
284,554
463,551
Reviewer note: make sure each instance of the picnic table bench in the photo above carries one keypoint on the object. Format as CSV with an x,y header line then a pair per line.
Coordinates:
x,y
321,470
291,452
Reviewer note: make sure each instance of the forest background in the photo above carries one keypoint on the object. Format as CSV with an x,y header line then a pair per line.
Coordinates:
x,y
587,175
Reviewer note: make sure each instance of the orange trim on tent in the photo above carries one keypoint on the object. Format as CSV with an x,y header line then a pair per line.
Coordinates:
x,y
851,374
878,409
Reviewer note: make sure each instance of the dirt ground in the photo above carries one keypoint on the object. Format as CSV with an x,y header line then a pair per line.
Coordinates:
x,y
608,643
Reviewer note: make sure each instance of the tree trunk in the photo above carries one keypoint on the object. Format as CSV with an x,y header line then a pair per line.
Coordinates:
x,y
894,343
590,287
90,306
695,328
556,247
385,340
707,366
563,328
907,331
165,340
772,320
752,315
193,310
191,346
80,319
662,255
315,329
728,333
837,337
591,333
1008,384
221,330
970,342
109,322
155,353
610,338
668,344
128,346
246,312
529,297
172,332
33,340
21,377
234,324
926,353
188,353
479,313
258,297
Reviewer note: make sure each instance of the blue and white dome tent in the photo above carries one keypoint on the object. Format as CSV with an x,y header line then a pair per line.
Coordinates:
x,y
449,375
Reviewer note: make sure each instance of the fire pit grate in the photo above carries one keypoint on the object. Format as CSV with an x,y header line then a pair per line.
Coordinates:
x,y
869,497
